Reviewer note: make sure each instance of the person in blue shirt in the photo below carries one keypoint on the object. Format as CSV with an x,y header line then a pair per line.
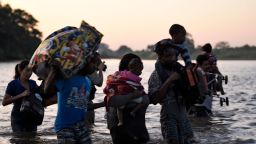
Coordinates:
x,y
73,97
17,89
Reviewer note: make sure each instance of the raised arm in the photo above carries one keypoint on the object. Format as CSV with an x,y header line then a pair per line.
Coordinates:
x,y
100,74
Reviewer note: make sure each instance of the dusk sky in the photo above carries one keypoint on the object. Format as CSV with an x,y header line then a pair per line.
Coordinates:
x,y
138,23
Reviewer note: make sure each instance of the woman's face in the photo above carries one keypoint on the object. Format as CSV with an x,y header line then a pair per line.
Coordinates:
x,y
168,57
26,73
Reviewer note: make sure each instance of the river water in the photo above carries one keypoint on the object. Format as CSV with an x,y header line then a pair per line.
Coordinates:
x,y
233,124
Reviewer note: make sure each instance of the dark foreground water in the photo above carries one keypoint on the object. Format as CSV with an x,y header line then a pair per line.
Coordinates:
x,y
233,124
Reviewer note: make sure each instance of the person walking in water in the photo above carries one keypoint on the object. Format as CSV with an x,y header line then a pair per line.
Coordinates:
x,y
207,50
163,88
96,80
73,99
125,82
19,88
133,130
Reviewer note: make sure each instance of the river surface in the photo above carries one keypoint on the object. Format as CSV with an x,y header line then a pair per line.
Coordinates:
x,y
233,124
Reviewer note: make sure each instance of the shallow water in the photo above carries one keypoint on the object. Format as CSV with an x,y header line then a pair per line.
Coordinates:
x,y
233,124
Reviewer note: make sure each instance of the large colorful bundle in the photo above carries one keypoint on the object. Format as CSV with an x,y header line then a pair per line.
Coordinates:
x,y
70,46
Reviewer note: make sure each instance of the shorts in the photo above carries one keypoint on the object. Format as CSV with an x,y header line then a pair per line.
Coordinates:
x,y
78,133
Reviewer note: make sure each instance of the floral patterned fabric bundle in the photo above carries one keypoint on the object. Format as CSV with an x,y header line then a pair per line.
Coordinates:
x,y
70,46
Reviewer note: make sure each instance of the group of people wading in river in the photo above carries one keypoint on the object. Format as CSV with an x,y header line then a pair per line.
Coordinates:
x,y
126,100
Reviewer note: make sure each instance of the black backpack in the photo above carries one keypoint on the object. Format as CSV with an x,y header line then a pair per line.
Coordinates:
x,y
188,85
32,108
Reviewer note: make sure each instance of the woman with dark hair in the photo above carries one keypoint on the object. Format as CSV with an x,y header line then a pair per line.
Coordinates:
x,y
17,89
17,74
204,108
124,62
133,130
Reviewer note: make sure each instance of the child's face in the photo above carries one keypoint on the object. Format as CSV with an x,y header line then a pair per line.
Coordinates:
x,y
136,66
205,66
137,69
179,38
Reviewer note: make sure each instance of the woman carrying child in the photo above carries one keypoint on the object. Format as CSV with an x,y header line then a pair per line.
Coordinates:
x,y
131,128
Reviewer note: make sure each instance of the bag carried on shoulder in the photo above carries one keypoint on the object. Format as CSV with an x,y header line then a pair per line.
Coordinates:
x,y
32,108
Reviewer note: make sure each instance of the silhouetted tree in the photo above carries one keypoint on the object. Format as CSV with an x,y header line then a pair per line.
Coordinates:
x,y
222,44
18,36
151,48
123,50
105,51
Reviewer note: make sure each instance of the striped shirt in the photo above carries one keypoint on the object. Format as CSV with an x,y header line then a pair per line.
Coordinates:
x,y
184,52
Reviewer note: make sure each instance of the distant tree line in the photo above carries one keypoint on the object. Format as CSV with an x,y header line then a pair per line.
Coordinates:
x,y
147,53
225,52
222,50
